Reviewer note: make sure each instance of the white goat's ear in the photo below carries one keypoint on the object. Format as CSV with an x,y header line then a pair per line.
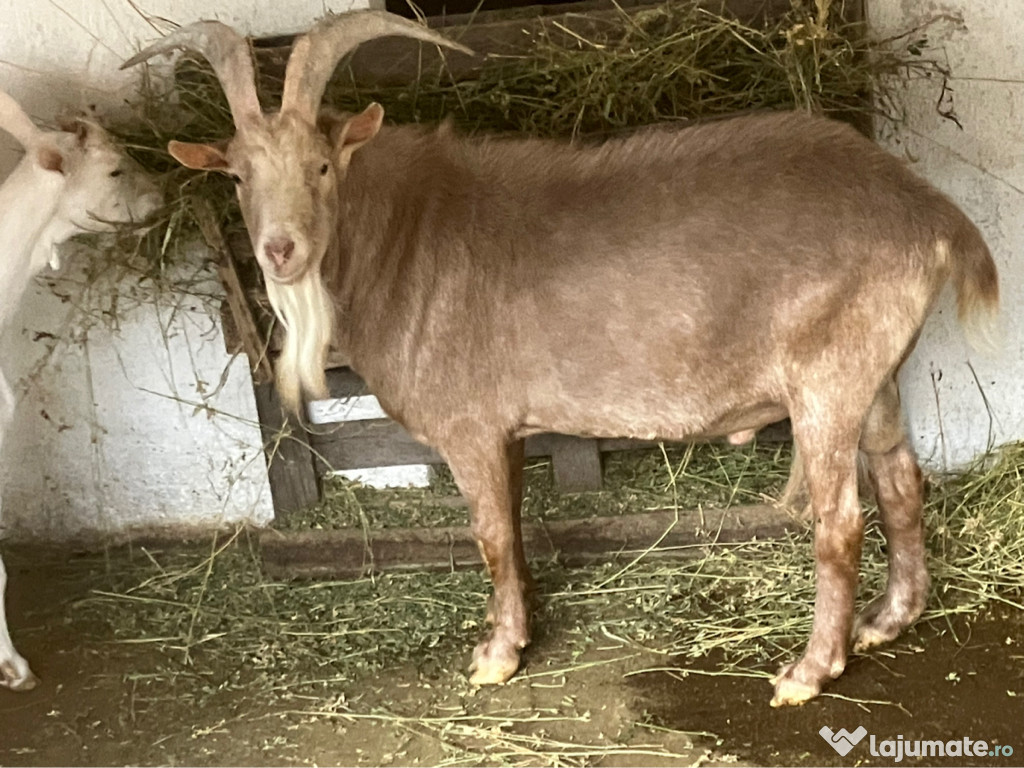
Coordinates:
x,y
81,129
201,157
358,130
49,158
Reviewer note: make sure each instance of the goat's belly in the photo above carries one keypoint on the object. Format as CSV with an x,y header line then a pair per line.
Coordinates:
x,y
637,416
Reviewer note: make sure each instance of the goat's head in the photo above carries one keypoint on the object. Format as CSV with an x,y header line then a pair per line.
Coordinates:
x,y
98,186
105,187
287,166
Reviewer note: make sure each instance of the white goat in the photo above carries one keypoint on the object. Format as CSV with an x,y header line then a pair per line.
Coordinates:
x,y
70,181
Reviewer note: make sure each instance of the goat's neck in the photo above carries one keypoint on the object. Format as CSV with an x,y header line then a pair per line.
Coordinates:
x,y
28,203
380,219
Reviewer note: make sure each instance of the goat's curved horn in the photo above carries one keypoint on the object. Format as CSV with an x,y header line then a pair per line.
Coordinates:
x,y
14,120
315,55
229,55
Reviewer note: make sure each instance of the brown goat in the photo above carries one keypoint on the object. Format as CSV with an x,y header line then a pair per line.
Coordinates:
x,y
676,284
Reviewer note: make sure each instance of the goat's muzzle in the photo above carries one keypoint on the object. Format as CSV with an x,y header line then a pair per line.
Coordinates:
x,y
278,251
282,259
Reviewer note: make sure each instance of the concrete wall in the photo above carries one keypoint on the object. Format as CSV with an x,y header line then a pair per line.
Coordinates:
x,y
150,423
982,168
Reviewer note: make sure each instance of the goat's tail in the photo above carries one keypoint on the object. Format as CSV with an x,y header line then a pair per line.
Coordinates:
x,y
976,281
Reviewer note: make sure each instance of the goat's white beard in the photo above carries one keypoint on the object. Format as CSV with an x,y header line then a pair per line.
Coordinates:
x,y
305,310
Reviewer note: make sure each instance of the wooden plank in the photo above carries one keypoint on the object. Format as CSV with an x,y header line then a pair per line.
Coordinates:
x,y
351,553
576,464
362,444
344,382
290,467
247,333
392,61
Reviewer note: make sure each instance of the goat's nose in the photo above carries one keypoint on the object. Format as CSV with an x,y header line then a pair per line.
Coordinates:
x,y
279,250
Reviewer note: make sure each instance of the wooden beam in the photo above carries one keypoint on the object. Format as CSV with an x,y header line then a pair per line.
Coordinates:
x,y
244,327
576,463
290,468
363,444
396,61
351,553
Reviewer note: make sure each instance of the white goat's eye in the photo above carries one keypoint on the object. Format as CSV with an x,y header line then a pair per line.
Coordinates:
x,y
115,173
236,178
323,169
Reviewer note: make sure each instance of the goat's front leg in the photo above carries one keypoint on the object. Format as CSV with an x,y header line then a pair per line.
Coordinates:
x,y
490,477
14,671
831,473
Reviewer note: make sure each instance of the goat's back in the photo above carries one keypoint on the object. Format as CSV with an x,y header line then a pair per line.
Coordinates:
x,y
684,275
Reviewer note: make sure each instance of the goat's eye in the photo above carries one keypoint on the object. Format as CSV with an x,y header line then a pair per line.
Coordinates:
x,y
323,169
236,178
115,173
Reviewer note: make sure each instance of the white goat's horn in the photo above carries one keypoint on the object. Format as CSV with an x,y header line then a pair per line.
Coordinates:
x,y
315,55
14,120
228,54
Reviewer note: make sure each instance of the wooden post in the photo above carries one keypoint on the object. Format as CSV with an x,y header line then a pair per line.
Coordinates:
x,y
290,465
243,323
576,462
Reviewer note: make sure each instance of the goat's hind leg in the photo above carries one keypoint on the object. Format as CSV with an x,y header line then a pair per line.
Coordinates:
x,y
899,491
829,455
491,479
14,671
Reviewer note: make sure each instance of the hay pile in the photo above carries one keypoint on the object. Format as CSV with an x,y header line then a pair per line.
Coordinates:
x,y
757,592
219,624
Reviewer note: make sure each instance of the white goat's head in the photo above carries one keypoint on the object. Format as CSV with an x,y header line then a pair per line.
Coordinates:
x,y
287,167
96,185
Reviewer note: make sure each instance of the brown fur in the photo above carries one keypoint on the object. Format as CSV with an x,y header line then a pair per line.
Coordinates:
x,y
676,284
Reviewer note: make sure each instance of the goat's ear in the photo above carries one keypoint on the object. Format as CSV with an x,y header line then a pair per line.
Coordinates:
x,y
357,130
49,158
81,127
201,157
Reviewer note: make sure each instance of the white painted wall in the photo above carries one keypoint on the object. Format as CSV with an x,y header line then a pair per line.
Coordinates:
x,y
982,168
108,435
115,450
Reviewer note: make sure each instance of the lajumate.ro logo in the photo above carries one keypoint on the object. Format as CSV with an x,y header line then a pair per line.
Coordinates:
x,y
843,742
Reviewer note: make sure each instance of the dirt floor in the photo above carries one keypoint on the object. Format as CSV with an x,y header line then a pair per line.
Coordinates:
x,y
112,703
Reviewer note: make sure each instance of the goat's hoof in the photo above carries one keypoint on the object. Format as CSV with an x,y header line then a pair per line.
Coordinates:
x,y
873,630
494,661
884,619
791,687
16,675
868,636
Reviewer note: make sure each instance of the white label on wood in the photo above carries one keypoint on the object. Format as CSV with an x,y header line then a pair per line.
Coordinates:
x,y
334,410
402,476
363,408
